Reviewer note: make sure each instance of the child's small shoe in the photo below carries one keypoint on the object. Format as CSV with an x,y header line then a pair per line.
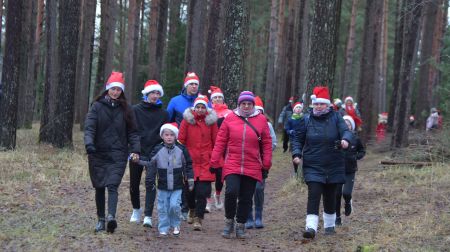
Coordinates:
x,y
147,221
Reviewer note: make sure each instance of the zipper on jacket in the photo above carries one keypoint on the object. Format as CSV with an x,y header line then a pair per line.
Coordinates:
x,y
243,144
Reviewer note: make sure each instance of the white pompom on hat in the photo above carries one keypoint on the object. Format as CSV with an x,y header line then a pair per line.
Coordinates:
x,y
215,91
201,99
190,78
350,119
320,95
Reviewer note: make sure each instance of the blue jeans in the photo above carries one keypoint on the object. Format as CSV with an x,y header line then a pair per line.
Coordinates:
x,y
169,209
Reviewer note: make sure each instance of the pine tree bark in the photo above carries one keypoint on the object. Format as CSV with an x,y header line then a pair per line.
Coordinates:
x,y
122,35
37,51
271,49
323,45
209,75
69,20
409,54
195,38
438,45
427,61
369,82
236,28
290,53
1,23
25,86
133,12
84,61
51,68
157,37
280,58
299,66
10,76
106,47
346,76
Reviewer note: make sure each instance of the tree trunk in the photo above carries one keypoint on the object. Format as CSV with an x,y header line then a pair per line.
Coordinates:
x,y
106,47
157,37
409,55
37,55
303,52
290,53
438,45
51,68
300,38
1,24
280,60
122,31
133,12
346,76
9,92
84,61
174,17
25,86
236,28
135,83
271,50
369,85
398,48
69,20
209,75
382,76
195,38
323,45
427,61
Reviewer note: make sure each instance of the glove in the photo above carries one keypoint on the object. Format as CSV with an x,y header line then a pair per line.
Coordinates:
x,y
265,173
212,170
191,184
90,149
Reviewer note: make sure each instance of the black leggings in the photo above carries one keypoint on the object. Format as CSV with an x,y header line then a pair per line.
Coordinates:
x,y
315,191
197,198
238,196
219,183
113,196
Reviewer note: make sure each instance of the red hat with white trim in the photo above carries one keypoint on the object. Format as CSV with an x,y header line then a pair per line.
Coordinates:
x,y
348,98
152,85
115,80
169,126
320,95
201,99
259,103
350,119
190,78
298,104
215,91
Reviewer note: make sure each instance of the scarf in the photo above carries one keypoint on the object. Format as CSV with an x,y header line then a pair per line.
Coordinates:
x,y
246,114
350,110
296,116
321,112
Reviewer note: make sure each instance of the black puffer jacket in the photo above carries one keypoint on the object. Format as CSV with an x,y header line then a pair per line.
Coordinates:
x,y
315,141
108,141
354,152
149,119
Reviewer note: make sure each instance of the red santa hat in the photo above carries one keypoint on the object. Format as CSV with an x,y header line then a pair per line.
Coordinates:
x,y
115,80
298,104
190,78
259,103
348,98
201,99
350,119
169,126
320,95
215,91
291,99
152,85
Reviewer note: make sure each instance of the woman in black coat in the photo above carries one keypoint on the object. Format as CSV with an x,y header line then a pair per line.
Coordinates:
x,y
109,135
319,141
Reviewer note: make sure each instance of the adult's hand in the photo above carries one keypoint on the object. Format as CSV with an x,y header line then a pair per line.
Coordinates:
x,y
265,173
134,157
344,144
296,160
212,170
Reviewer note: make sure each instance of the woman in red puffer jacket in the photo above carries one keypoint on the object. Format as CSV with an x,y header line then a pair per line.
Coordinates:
x,y
244,139
198,132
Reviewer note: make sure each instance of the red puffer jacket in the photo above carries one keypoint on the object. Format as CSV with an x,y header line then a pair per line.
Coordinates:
x,y
198,133
238,142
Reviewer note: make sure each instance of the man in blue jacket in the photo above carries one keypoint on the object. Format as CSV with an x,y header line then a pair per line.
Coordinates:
x,y
181,102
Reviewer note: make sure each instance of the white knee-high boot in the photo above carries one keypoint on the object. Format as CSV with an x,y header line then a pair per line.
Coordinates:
x,y
312,221
329,220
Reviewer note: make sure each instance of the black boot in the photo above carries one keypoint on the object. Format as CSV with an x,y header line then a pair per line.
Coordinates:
x,y
309,233
330,231
111,224
338,221
348,204
229,228
100,225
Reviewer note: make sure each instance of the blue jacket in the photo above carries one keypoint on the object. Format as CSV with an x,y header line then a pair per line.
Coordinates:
x,y
178,105
292,125
315,141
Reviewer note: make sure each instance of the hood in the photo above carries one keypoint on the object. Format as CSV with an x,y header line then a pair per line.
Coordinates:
x,y
210,118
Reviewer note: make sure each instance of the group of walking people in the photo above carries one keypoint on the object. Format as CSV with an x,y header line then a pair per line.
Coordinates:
x,y
199,141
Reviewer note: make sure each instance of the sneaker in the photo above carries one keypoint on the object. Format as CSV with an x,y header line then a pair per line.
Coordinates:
x,y
197,224
208,205
136,215
338,221
100,227
191,216
348,208
218,202
148,221
249,224
309,233
162,234
176,230
330,231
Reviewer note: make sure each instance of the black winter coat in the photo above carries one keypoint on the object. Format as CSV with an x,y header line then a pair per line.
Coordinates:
x,y
149,119
108,141
354,152
315,141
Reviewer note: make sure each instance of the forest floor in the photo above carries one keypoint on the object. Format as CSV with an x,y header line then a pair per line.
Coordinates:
x,y
47,203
